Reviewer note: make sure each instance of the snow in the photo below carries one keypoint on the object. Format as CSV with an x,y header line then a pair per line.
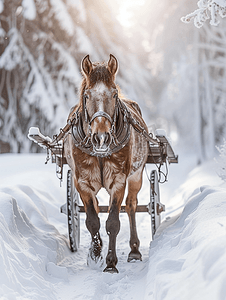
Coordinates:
x,y
221,161
84,43
34,131
1,6
29,9
79,5
195,251
221,2
8,60
63,16
186,260
160,132
201,14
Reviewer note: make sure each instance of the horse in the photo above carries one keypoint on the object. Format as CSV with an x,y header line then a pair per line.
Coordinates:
x,y
103,149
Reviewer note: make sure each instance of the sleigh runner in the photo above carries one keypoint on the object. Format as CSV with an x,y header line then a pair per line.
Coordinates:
x,y
106,144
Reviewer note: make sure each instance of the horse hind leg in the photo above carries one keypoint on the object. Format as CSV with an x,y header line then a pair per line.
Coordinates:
x,y
134,185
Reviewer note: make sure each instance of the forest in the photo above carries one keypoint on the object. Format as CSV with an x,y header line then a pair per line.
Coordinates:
x,y
172,61
175,71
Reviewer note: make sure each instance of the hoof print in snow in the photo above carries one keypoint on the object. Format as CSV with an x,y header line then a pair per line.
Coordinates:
x,y
134,256
111,270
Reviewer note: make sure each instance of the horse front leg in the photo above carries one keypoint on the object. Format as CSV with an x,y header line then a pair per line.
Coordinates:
x,y
93,226
112,228
134,185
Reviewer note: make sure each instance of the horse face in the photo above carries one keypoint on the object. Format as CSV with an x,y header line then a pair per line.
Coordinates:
x,y
100,105
100,99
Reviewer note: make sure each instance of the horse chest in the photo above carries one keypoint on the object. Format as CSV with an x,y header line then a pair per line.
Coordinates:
x,y
93,173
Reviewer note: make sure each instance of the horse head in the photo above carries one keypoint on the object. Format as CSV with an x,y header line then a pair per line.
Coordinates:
x,y
99,96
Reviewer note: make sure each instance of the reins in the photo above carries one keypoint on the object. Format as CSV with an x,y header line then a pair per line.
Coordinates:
x,y
137,126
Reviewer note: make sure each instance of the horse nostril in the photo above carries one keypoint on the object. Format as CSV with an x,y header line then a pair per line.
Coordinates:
x,y
101,140
107,138
96,139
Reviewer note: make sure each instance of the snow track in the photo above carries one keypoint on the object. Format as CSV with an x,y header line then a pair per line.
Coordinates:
x,y
186,260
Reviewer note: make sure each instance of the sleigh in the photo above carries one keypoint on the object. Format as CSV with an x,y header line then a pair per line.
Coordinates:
x,y
160,153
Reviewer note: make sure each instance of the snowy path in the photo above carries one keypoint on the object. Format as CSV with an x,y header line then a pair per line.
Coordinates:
x,y
185,261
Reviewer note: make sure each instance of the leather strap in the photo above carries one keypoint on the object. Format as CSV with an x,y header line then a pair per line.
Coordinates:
x,y
120,132
101,114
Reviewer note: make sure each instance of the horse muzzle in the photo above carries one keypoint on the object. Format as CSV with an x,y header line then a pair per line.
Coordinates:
x,y
101,142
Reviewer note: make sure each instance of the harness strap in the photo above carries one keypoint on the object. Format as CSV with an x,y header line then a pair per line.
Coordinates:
x,y
62,133
100,160
84,140
101,114
136,125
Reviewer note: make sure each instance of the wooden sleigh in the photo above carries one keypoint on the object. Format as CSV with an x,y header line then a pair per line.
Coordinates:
x,y
160,153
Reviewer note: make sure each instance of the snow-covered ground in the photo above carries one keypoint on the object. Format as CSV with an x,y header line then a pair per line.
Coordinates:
x,y
186,260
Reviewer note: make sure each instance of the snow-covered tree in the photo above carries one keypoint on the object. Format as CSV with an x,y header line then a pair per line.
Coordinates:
x,y
207,9
169,48
38,73
188,75
42,43
221,161
211,72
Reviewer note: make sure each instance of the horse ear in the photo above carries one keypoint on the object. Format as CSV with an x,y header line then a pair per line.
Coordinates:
x,y
113,65
86,65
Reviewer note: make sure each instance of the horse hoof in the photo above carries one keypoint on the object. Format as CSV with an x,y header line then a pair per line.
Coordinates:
x,y
111,270
134,256
95,263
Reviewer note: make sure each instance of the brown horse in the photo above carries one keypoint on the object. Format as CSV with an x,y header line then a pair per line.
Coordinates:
x,y
103,150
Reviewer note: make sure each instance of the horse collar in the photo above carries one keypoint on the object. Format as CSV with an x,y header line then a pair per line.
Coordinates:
x,y
120,129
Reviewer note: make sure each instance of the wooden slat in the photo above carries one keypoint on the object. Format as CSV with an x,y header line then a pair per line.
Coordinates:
x,y
162,153
104,208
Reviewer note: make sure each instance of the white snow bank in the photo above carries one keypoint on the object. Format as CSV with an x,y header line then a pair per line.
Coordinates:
x,y
31,247
187,260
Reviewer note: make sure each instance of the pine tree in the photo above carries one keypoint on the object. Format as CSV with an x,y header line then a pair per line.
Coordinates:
x,y
42,44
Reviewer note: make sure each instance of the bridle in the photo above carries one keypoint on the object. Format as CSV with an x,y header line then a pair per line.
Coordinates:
x,y
97,114
119,131
100,113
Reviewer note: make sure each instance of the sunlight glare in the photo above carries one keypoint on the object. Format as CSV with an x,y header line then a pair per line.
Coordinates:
x,y
126,11
174,136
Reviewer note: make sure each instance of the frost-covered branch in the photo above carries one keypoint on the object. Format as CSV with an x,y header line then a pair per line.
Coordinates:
x,y
207,9
222,161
